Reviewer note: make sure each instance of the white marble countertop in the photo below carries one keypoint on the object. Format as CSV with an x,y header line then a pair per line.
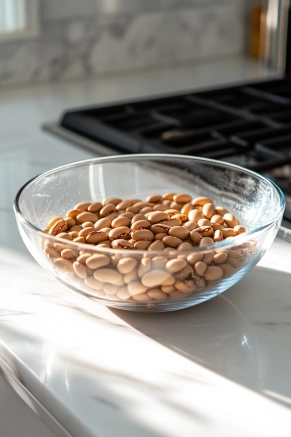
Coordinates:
x,y
221,368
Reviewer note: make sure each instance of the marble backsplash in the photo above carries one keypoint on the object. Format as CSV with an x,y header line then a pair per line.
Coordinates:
x,y
102,45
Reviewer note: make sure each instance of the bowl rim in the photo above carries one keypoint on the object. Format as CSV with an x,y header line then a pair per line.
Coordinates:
x,y
224,244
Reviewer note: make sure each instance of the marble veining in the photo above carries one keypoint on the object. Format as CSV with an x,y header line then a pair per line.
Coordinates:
x,y
110,44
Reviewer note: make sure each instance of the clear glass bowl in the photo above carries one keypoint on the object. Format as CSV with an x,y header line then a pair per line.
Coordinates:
x,y
255,200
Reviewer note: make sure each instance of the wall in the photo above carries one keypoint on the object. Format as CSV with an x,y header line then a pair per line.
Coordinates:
x,y
99,37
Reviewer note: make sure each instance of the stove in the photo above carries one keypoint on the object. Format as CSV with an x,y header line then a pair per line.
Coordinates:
x,y
248,125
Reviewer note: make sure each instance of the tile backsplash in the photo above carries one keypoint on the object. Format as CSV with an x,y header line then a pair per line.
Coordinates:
x,y
83,45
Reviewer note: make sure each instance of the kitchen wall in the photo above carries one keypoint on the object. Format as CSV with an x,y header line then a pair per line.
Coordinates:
x,y
100,37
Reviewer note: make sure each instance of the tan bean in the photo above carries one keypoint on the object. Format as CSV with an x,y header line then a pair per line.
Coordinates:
x,y
220,210
95,237
208,257
159,207
93,283
141,297
233,254
213,273
185,286
86,217
137,218
194,258
195,236
87,225
159,228
135,288
73,213
180,232
140,205
156,246
80,270
217,226
97,261
83,257
140,224
143,235
103,223
201,201
216,218
123,294
130,277
160,236
167,289
205,241
230,220
144,267
65,236
79,240
53,221
208,210
200,268
205,231
159,262
142,245
156,294
69,254
182,198
122,232
86,231
122,244
169,196
172,241
83,206
126,265
70,222
166,202
104,243
228,270
109,208
187,208
239,229
204,222
173,221
110,288
73,234
128,215
175,265
107,275
185,246
194,215
233,262
76,228
154,198
218,235
146,210
190,225
132,209
154,278
169,281
228,232
219,257
134,201
157,216
95,207
123,205
184,273
58,227
51,252
113,200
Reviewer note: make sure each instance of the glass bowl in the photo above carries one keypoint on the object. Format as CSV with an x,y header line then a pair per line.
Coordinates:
x,y
162,278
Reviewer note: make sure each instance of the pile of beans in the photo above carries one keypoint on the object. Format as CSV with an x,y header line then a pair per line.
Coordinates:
x,y
170,224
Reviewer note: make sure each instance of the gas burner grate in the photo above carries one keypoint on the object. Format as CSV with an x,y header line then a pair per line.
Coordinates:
x,y
248,125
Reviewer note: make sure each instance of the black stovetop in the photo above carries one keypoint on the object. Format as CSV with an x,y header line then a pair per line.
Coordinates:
x,y
248,125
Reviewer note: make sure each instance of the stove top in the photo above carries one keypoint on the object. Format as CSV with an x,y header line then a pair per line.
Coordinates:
x,y
248,125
